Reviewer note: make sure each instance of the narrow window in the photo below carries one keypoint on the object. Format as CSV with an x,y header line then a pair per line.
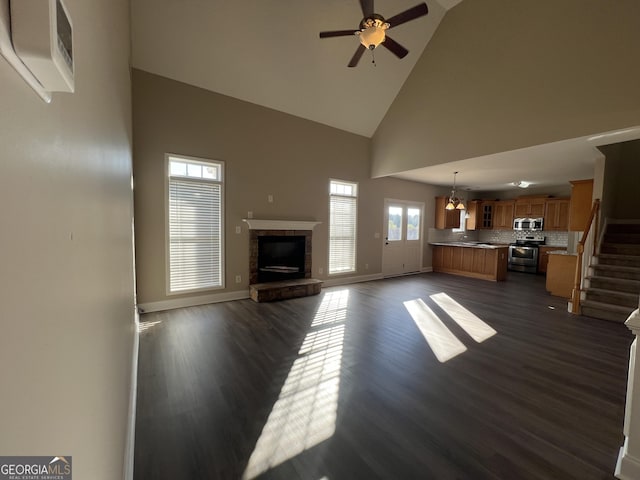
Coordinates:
x,y
343,218
195,196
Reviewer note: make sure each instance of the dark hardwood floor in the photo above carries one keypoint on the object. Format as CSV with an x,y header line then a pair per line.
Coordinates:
x,y
343,385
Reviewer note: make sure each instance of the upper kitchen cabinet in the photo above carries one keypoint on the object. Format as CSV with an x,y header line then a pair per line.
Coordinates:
x,y
503,214
556,214
580,204
446,218
473,219
529,207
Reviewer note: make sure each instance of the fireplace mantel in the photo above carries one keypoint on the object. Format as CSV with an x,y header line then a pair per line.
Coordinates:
x,y
256,224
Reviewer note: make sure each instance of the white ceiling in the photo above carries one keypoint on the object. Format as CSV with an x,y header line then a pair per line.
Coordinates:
x,y
269,53
552,164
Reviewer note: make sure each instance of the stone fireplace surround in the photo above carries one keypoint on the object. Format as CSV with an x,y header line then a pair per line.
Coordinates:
x,y
280,290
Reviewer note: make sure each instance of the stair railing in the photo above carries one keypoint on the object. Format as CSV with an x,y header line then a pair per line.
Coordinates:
x,y
581,266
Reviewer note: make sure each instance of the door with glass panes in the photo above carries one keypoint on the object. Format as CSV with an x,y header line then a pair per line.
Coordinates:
x,y
402,238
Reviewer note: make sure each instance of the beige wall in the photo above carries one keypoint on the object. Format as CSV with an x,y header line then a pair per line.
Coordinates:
x,y
265,153
620,199
66,296
499,76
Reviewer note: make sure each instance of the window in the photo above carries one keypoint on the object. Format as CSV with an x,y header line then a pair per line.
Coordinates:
x,y
195,195
343,206
413,223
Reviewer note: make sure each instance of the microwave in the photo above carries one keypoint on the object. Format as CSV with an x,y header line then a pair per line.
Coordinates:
x,y
528,223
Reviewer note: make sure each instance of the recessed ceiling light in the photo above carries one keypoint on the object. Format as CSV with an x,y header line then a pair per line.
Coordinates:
x,y
521,184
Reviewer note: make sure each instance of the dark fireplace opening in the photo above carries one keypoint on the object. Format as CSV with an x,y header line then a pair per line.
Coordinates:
x,y
281,258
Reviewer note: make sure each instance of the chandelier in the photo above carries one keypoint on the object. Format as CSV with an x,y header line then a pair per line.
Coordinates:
x,y
455,203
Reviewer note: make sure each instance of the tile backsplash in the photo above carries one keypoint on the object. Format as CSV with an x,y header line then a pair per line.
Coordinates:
x,y
558,239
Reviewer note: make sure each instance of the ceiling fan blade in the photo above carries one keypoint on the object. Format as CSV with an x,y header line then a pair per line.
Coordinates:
x,y
367,8
356,56
394,47
337,33
407,15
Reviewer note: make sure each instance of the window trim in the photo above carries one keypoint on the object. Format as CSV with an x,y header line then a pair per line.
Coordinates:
x,y
355,228
167,241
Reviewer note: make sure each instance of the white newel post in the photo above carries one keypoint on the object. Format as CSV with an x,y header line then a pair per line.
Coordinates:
x,y
628,466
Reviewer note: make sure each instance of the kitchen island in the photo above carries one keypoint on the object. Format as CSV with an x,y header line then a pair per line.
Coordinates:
x,y
486,261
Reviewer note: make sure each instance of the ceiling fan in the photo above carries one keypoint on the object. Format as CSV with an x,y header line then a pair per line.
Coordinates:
x,y
373,27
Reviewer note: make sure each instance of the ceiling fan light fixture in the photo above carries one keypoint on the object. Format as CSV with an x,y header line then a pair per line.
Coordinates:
x,y
372,32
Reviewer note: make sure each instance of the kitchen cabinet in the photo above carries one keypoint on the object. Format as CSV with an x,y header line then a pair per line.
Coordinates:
x,y
556,214
446,218
486,215
479,215
561,272
473,218
503,215
529,207
477,262
580,204
543,257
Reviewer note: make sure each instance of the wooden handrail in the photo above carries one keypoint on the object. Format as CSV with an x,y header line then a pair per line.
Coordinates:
x,y
595,214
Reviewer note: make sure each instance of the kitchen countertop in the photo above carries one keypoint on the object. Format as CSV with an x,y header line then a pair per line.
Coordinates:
x,y
488,245
560,252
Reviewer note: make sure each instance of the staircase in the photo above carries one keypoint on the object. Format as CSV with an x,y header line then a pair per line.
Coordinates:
x,y
613,285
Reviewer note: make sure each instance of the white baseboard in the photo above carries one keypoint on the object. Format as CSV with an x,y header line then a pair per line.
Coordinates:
x,y
334,282
627,467
133,400
192,301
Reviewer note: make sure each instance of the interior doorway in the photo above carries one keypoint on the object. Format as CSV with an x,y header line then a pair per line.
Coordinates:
x,y
402,240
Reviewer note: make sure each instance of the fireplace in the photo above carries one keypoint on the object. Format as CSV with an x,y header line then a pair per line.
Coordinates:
x,y
280,260
281,257
278,255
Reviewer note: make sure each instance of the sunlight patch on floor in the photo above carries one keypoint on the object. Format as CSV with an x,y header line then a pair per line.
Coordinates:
x,y
470,323
305,413
443,342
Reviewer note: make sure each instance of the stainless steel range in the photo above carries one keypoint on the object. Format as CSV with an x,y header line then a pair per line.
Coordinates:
x,y
523,255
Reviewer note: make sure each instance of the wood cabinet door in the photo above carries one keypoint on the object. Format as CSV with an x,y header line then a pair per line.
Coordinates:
x,y
445,218
503,215
536,207
521,209
529,208
486,215
580,206
472,217
556,215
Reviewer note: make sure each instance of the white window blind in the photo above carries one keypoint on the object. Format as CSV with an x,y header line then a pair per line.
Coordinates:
x,y
195,225
343,206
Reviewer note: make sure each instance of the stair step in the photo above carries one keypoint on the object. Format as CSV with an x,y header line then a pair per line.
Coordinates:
x,y
620,248
621,260
616,271
613,283
626,237
623,228
612,297
604,311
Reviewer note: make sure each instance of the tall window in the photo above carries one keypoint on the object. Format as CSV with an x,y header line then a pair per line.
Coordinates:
x,y
343,207
195,195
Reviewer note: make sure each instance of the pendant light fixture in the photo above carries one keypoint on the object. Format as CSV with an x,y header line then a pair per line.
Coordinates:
x,y
455,203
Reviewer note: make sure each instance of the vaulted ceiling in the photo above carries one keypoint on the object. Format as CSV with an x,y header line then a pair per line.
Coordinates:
x,y
270,54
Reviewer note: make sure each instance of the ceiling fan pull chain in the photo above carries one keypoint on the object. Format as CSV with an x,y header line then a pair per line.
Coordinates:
x,y
373,58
